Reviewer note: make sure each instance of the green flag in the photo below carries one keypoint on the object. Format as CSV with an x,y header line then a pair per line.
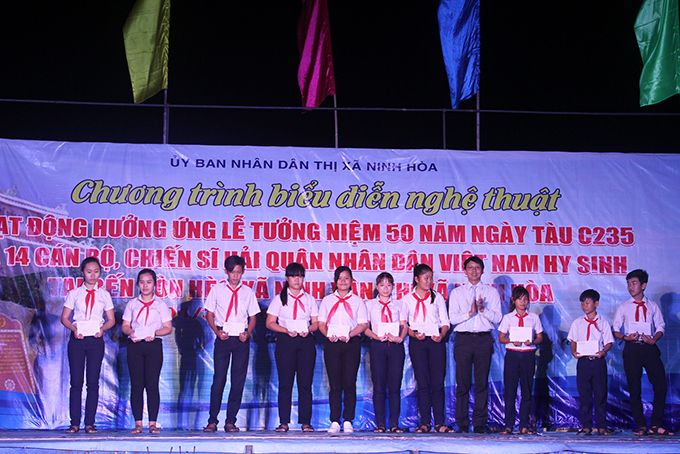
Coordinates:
x,y
147,33
658,34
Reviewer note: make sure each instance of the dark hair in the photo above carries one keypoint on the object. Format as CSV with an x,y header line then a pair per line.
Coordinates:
x,y
87,261
152,273
293,269
233,260
419,270
590,293
475,259
517,293
642,275
382,276
338,272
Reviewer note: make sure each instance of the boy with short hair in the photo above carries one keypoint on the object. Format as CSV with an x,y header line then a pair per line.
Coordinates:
x,y
232,308
591,369
643,325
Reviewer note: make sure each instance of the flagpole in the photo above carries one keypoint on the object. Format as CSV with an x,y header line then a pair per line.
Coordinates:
x,y
478,133
335,112
166,116
444,127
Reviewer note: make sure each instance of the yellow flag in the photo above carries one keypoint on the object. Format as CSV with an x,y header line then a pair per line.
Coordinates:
x,y
147,35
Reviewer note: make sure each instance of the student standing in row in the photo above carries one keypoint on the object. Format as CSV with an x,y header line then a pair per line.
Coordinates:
x,y
388,328
294,314
342,318
88,304
231,308
145,319
428,324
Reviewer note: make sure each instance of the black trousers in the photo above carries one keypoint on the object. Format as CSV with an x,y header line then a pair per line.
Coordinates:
x,y
638,356
238,352
387,369
591,381
519,369
472,350
145,360
429,367
84,362
342,365
295,355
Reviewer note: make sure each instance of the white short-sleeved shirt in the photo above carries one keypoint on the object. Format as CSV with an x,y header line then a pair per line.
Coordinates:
x,y
396,308
285,313
157,314
460,302
602,333
75,300
434,313
341,317
512,320
625,312
219,300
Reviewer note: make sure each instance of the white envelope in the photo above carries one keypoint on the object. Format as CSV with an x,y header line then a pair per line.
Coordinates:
x,y
428,329
143,331
385,328
338,330
88,327
521,333
640,327
299,326
587,348
233,329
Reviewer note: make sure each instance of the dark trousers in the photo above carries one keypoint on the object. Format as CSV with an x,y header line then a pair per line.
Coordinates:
x,y
591,381
519,369
342,365
84,362
387,368
472,350
429,367
295,354
145,360
238,352
637,356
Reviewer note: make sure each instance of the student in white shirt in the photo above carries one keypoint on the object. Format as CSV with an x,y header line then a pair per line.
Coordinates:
x,y
145,319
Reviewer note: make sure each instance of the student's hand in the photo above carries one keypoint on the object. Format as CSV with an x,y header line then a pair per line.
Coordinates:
x,y
480,304
133,337
223,335
303,334
473,308
528,343
100,333
78,335
333,338
601,354
647,339
576,355
243,336
420,336
343,339
292,333
392,338
631,337
150,338
517,343
436,338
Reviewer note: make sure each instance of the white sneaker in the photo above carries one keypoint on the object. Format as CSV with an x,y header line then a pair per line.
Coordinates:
x,y
347,427
334,428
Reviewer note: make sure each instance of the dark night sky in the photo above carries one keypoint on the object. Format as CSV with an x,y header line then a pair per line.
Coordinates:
x,y
578,56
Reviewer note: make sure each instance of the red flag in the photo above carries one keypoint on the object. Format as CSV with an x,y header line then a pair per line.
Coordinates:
x,y
315,73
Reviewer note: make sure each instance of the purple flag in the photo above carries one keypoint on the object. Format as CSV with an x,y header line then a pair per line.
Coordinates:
x,y
315,73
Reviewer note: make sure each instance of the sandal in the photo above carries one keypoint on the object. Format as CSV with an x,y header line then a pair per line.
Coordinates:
x,y
229,427
506,431
137,430
153,429
423,429
442,429
281,428
72,430
526,431
307,428
584,431
91,429
641,431
397,430
602,432
210,428
380,430
658,430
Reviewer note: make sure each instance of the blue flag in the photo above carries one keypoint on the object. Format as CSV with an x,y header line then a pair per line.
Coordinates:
x,y
459,34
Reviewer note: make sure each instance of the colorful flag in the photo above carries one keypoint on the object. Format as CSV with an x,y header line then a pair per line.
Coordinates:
x,y
147,35
658,36
315,73
459,34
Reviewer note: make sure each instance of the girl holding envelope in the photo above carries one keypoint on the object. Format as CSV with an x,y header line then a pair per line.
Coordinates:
x,y
88,304
342,318
388,319
428,322
520,331
293,314
145,319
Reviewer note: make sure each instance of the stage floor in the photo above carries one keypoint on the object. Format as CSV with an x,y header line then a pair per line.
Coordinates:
x,y
269,442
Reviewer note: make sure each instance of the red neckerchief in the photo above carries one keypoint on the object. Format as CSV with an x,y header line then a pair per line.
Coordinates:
x,y
591,323
344,303
420,303
295,306
521,318
385,312
233,303
89,301
640,304
144,306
